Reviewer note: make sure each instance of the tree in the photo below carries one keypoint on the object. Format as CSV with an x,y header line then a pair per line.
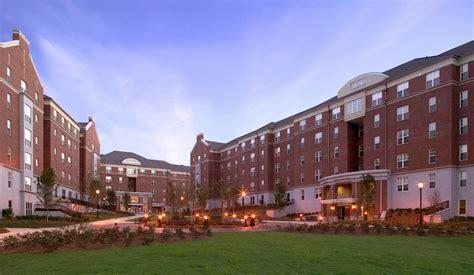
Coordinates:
x,y
280,195
111,198
45,188
367,191
230,195
126,201
202,195
94,185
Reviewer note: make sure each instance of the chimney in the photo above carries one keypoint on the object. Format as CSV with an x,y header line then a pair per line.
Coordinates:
x,y
200,136
90,119
18,35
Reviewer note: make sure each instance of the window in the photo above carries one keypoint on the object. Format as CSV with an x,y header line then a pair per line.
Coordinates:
x,y
361,130
55,115
463,99
9,75
432,130
432,104
243,146
336,113
302,160
288,132
9,127
69,143
120,170
376,142
9,153
252,198
432,79
27,114
9,101
252,143
55,151
376,99
462,207
318,119
376,121
402,113
277,167
288,181
27,137
24,88
288,146
63,194
463,152
262,153
108,179
36,97
318,156
153,173
317,193
252,171
402,137
27,184
336,151
376,164
464,69
252,157
432,182
463,125
302,194
402,184
69,160
302,142
302,178
262,169
336,132
63,140
432,156
336,169
402,89
288,165
354,106
28,161
277,136
462,177
62,121
29,208
318,138
361,150
9,179
318,175
402,160
302,125
62,157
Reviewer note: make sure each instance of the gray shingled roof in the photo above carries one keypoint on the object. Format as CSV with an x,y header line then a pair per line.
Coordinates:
x,y
214,144
394,73
116,158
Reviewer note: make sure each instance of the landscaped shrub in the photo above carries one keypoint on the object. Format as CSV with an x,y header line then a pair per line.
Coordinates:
x,y
420,230
165,235
128,236
365,228
351,228
148,235
10,241
208,232
7,213
194,232
378,228
179,232
390,229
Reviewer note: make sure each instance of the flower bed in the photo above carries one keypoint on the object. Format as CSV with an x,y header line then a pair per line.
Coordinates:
x,y
82,238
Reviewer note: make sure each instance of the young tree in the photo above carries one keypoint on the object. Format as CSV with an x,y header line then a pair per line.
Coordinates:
x,y
172,195
111,198
367,191
126,201
202,195
45,188
280,195
94,185
230,195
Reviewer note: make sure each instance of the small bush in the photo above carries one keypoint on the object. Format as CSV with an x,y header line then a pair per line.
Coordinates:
x,y
128,236
11,241
365,228
378,228
165,235
179,233
148,236
351,228
7,213
194,232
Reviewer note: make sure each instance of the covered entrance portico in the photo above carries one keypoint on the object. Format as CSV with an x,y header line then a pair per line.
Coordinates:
x,y
341,195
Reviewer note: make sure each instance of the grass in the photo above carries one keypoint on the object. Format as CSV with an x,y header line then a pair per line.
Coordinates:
x,y
262,252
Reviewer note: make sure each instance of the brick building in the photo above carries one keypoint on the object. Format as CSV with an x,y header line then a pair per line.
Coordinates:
x,y
406,125
21,116
61,148
145,180
89,154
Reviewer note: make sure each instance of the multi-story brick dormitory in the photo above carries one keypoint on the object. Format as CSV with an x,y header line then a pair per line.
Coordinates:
x,y
37,133
405,125
145,180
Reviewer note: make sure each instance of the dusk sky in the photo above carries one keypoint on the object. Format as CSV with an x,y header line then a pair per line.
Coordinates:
x,y
153,74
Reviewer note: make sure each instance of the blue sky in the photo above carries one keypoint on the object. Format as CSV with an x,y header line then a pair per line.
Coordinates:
x,y
153,74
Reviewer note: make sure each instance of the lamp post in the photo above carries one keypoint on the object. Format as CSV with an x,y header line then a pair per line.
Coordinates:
x,y
243,203
420,186
97,191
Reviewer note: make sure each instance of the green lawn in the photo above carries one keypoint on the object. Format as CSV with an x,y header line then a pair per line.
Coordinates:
x,y
260,253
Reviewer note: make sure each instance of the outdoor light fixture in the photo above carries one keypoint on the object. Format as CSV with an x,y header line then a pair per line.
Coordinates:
x,y
225,214
420,186
159,220
197,215
353,206
234,216
253,216
97,191
182,198
116,222
332,208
